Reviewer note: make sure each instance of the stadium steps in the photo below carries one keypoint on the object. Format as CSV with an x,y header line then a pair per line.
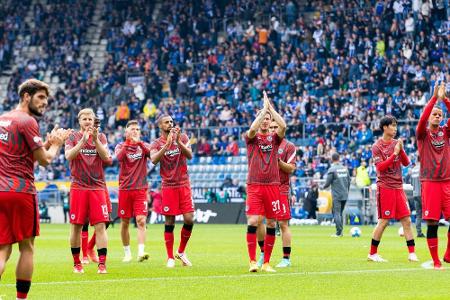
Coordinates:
x,y
7,72
95,46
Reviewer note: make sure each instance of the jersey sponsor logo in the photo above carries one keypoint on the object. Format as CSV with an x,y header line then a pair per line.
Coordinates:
x,y
5,123
4,136
90,152
266,148
173,153
135,156
37,139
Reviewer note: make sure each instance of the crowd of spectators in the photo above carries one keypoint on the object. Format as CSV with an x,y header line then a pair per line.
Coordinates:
x,y
332,69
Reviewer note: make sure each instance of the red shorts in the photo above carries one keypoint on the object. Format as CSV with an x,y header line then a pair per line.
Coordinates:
x,y
132,203
285,209
19,217
263,200
88,205
435,200
392,203
177,200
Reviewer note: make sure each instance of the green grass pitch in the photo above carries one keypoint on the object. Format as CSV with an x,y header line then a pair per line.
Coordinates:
x,y
323,268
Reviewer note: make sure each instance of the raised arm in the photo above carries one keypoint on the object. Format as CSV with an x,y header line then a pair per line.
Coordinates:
x,y
156,155
277,118
101,145
185,148
422,125
71,150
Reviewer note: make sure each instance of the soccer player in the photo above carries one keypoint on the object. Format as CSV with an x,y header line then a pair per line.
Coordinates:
x,y
20,146
87,152
434,151
172,149
263,182
388,156
132,156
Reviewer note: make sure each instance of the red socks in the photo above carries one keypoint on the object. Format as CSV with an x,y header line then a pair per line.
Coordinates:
x,y
168,237
251,242
269,241
185,235
84,242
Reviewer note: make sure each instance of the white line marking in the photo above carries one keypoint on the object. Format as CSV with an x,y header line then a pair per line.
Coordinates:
x,y
218,276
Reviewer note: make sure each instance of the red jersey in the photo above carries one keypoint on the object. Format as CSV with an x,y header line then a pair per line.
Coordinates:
x,y
389,165
19,137
133,165
262,155
434,147
173,164
86,169
287,154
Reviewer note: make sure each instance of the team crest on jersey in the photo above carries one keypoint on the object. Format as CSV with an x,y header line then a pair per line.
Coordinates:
x,y
280,151
166,208
269,138
387,213
440,134
37,139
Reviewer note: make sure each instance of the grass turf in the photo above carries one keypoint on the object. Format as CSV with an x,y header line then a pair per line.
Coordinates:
x,y
322,268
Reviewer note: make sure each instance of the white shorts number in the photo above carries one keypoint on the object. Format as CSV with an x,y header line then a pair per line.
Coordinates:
x,y
105,209
276,205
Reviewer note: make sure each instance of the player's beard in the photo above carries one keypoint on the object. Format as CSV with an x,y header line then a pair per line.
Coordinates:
x,y
33,109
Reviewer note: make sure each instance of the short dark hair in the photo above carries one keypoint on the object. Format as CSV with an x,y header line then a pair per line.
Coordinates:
x,y
386,121
132,122
162,116
335,156
32,86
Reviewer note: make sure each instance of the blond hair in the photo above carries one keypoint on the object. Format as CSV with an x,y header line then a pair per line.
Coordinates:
x,y
86,111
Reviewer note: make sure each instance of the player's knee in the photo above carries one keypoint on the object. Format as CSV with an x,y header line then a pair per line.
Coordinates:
x,y
125,222
270,223
252,221
26,246
141,221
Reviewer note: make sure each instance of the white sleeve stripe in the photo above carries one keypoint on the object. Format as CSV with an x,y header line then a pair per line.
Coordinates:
x,y
291,158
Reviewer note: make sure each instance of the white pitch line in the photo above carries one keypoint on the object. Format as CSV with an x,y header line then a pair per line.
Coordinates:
x,y
216,276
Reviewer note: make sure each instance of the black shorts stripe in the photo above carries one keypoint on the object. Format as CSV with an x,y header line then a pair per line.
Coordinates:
x,y
379,204
35,215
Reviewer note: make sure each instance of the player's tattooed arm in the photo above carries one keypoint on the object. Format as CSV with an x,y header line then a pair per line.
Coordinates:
x,y
286,167
156,155
259,118
423,121
185,148
102,148
277,118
